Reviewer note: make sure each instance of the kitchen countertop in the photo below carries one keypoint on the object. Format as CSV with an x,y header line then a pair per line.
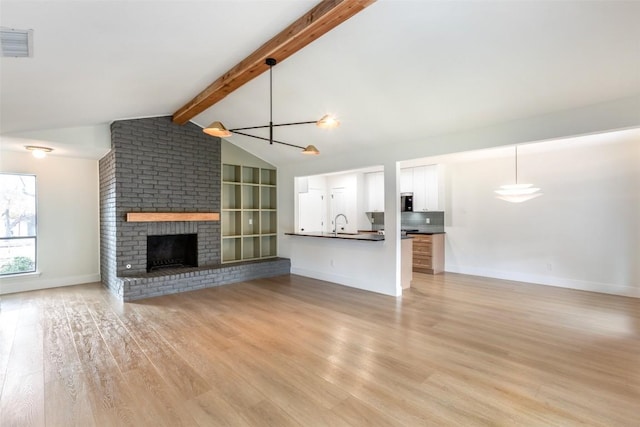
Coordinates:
x,y
425,232
370,237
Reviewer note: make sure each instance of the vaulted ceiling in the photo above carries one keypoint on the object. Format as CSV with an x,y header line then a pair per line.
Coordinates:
x,y
397,71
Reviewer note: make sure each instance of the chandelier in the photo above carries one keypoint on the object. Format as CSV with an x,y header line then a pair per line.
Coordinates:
x,y
326,122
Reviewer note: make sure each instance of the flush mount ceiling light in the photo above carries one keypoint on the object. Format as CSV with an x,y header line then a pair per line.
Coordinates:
x,y
16,43
326,122
38,152
517,193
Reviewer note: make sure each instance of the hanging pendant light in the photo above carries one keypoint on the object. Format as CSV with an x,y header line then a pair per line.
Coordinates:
x,y
311,149
517,193
326,122
217,129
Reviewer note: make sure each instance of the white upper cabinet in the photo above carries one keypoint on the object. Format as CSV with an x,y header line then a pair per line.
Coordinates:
x,y
419,189
374,191
406,180
422,181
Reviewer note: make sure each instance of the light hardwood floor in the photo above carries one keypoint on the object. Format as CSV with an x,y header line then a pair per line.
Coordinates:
x,y
454,350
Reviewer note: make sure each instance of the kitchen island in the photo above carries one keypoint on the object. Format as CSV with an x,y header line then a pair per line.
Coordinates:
x,y
406,274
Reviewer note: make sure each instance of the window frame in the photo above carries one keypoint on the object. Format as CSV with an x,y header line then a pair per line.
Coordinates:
x,y
33,237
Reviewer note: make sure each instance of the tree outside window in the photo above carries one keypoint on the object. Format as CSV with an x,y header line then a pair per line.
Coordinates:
x,y
17,223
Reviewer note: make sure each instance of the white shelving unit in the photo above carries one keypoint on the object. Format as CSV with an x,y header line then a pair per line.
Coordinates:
x,y
249,214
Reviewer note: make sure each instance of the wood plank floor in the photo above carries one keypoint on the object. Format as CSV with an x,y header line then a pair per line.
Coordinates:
x,y
292,351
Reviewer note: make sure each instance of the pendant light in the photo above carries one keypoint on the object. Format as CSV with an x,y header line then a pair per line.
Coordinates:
x,y
217,129
326,122
517,193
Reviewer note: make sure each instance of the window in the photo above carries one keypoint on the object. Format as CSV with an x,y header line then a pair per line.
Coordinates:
x,y
17,223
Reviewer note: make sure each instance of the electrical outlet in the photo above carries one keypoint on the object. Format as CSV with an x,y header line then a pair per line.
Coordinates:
x,y
250,221
427,221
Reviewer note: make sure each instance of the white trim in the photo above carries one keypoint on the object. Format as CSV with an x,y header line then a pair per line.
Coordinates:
x,y
33,285
560,282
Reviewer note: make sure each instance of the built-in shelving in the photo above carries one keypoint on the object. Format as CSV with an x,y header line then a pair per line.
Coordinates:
x,y
249,214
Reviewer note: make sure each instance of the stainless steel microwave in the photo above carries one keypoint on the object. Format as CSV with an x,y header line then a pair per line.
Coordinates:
x,y
406,202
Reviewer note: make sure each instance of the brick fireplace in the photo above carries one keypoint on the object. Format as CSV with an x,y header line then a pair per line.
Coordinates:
x,y
157,166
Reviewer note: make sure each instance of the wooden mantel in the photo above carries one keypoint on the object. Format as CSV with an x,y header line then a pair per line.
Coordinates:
x,y
172,216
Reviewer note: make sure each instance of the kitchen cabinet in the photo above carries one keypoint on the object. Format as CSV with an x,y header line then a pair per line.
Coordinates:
x,y
406,180
374,191
249,216
425,188
422,181
428,253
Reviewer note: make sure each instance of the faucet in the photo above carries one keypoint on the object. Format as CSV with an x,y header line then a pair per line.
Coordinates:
x,y
335,223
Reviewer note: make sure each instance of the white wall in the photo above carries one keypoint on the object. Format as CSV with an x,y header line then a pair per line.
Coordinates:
x,y
583,233
377,267
236,156
68,221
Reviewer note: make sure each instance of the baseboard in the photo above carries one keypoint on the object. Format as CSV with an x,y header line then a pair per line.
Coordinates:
x,y
559,282
41,282
336,278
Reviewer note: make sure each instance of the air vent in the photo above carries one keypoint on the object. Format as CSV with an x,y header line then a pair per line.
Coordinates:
x,y
16,43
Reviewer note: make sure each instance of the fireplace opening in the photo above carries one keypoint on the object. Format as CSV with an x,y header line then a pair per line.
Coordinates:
x,y
172,251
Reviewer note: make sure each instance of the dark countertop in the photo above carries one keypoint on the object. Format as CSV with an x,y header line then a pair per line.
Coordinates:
x,y
426,232
367,236
370,237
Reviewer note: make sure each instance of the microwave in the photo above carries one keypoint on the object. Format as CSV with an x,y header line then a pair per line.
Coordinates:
x,y
406,202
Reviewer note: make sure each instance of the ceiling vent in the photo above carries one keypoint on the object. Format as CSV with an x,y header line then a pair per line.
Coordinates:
x,y
16,43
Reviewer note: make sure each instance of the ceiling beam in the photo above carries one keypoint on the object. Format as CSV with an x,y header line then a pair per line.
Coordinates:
x,y
325,16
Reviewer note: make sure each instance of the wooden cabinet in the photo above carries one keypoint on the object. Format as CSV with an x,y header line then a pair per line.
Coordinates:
x,y
428,253
249,216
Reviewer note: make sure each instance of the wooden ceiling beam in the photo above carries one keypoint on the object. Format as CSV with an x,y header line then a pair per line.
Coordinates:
x,y
325,16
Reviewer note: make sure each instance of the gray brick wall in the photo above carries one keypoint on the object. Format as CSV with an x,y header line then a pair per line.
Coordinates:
x,y
164,167
157,166
108,222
